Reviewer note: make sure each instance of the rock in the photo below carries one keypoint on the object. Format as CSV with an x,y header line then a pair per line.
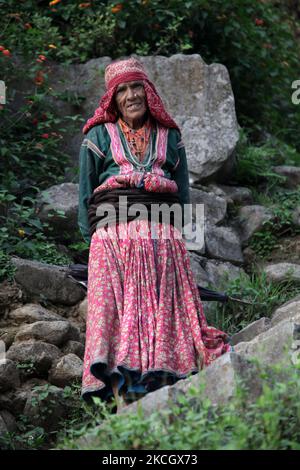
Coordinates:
x,y
292,174
7,334
10,296
38,355
288,311
278,345
223,243
215,207
62,198
252,330
221,273
296,216
74,347
31,313
220,380
82,309
198,271
251,219
236,194
46,406
54,332
7,425
280,272
204,92
47,281
9,376
66,370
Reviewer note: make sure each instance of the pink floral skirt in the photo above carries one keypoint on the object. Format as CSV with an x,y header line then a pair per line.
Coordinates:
x,y
145,321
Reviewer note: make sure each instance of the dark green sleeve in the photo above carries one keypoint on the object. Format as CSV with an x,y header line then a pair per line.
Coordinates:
x,y
90,167
181,175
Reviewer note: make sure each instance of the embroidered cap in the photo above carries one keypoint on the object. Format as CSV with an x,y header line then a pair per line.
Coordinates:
x,y
122,70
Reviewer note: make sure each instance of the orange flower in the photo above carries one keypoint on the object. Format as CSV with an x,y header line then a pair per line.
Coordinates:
x,y
54,2
84,5
117,8
42,57
27,26
39,78
6,52
52,46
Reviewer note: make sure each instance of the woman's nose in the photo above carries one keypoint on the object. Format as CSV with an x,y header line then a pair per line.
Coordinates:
x,y
130,93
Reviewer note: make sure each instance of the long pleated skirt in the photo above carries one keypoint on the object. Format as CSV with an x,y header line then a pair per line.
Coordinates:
x,y
145,324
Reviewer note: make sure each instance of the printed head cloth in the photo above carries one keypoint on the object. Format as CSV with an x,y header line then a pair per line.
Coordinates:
x,y
126,71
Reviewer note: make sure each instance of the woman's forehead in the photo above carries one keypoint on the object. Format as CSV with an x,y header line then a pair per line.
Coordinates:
x,y
134,82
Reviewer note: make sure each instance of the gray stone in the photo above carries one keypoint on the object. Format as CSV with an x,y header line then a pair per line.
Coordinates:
x,y
46,406
215,207
74,347
61,198
235,194
219,380
221,273
198,271
251,219
54,332
31,313
292,174
47,281
278,345
40,354
9,376
223,243
66,370
7,425
83,309
7,334
252,330
186,84
296,216
288,311
279,272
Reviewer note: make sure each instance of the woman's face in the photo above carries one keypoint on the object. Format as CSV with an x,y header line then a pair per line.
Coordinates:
x,y
131,102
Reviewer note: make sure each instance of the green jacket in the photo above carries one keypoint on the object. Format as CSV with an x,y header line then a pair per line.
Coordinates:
x,y
96,164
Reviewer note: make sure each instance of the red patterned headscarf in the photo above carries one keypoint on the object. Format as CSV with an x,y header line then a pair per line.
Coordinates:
x,y
126,71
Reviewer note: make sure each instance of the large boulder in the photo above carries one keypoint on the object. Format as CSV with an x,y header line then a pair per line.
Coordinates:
x,y
278,345
66,370
45,406
281,272
48,281
251,219
198,96
31,313
37,354
9,376
288,311
291,173
223,243
54,332
215,207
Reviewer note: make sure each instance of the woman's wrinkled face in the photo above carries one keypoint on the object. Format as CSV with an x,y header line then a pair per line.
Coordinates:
x,y
131,101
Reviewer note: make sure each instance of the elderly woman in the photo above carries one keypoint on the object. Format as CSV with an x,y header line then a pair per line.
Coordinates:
x,y
145,323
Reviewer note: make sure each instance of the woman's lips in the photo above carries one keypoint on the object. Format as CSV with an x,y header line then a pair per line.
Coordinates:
x,y
134,106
